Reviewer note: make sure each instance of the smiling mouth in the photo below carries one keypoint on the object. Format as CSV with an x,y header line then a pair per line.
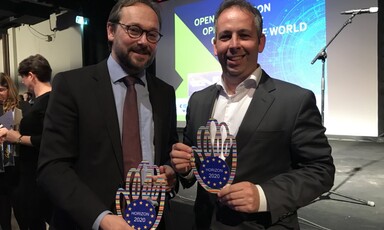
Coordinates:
x,y
235,58
141,53
140,56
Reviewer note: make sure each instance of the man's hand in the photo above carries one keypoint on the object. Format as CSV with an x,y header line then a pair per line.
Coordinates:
x,y
12,136
113,222
3,134
169,175
181,155
241,197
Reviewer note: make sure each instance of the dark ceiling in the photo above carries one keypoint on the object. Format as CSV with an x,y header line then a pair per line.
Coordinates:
x,y
14,13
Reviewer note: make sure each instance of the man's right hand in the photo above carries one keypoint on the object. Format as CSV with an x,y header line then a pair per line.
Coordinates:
x,y
181,155
113,222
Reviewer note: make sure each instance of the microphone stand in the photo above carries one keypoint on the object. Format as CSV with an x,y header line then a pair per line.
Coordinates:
x,y
322,55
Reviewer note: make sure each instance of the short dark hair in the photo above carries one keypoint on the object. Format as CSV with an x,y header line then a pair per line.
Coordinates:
x,y
245,5
38,65
114,15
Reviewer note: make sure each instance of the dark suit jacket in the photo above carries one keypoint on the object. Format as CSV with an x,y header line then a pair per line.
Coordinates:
x,y
81,160
281,146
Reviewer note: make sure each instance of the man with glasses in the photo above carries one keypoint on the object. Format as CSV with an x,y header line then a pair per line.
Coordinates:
x,y
135,31
81,163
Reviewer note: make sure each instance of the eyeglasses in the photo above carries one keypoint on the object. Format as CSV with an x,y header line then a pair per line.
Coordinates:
x,y
136,32
3,89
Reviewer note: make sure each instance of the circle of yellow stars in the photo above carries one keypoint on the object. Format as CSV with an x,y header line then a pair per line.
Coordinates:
x,y
203,166
149,207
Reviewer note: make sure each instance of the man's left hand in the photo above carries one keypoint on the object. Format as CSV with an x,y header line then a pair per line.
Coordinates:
x,y
241,197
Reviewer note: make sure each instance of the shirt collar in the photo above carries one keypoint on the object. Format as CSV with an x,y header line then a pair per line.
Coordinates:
x,y
117,73
252,81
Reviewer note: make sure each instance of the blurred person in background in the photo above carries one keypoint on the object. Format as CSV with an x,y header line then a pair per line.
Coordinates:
x,y
35,72
28,97
9,172
24,105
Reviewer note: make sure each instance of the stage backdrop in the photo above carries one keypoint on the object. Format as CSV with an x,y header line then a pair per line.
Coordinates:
x,y
296,31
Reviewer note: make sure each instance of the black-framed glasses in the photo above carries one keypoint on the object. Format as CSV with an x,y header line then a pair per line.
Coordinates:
x,y
135,31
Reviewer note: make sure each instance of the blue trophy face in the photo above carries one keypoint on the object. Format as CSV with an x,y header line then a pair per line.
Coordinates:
x,y
140,214
141,202
214,172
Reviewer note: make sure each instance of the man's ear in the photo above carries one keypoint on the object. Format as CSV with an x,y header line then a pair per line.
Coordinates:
x,y
262,41
214,46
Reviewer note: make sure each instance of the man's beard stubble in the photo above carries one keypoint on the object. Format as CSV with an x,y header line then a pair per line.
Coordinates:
x,y
131,66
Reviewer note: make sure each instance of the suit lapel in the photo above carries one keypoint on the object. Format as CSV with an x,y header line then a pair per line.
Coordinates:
x,y
200,109
107,104
261,102
156,104
209,103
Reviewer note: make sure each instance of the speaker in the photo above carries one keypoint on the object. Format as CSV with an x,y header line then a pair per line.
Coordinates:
x,y
65,20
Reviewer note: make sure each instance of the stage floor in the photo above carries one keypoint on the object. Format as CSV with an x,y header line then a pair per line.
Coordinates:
x,y
359,182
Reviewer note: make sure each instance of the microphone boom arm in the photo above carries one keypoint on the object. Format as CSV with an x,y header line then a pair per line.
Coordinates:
x,y
322,54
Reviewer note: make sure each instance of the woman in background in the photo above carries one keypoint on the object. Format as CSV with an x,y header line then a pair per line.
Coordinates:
x,y
9,173
35,73
28,97
25,106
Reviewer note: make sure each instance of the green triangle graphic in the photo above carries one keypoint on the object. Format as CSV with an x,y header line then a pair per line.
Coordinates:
x,y
191,56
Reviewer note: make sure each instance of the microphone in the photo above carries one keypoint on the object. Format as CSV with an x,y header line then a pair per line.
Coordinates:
x,y
370,10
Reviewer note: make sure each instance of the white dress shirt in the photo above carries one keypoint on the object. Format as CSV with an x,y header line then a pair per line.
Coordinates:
x,y
231,109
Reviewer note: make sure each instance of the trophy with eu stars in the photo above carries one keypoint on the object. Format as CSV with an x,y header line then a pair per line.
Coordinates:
x,y
215,156
141,203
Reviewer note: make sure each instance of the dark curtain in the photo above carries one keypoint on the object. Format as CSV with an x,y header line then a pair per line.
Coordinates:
x,y
95,46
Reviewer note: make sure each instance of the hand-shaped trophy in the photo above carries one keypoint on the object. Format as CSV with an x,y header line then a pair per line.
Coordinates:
x,y
141,203
214,145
